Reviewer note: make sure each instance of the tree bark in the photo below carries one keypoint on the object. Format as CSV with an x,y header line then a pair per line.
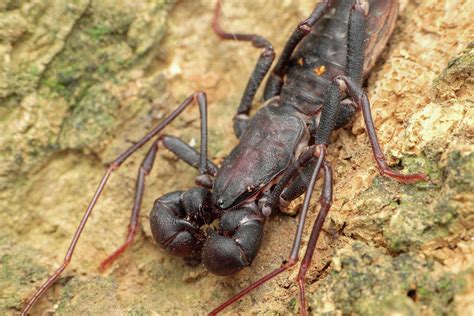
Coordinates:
x,y
80,81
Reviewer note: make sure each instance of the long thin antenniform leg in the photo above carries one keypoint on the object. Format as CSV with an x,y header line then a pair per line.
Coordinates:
x,y
275,81
326,201
113,166
143,171
261,69
293,257
184,152
192,157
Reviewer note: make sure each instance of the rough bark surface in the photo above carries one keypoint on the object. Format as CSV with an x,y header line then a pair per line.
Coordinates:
x,y
80,80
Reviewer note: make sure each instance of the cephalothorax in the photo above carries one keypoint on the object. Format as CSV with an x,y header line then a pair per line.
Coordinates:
x,y
314,88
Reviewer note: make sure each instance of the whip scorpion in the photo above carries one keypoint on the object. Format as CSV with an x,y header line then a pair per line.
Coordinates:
x,y
314,88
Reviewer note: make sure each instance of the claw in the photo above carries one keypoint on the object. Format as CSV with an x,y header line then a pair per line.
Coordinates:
x,y
176,219
236,245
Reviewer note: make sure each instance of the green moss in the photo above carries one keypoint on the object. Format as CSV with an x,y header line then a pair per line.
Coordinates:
x,y
412,223
410,215
390,305
98,32
98,49
34,70
19,271
96,52
462,65
216,295
89,296
459,172
414,164
91,121
67,76
371,282
457,74
138,311
292,305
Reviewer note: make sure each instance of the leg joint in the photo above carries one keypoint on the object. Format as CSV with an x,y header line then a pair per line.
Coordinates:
x,y
363,6
326,202
200,96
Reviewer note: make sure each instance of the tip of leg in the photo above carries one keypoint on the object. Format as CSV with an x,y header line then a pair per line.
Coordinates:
x,y
303,304
406,178
104,265
111,259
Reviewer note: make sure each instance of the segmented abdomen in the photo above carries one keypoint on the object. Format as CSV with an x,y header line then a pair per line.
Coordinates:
x,y
322,54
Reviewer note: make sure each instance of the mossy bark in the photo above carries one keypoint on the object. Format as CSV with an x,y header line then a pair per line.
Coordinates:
x,y
80,80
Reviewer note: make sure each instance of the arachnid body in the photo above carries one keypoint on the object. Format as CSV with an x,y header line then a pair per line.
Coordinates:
x,y
314,88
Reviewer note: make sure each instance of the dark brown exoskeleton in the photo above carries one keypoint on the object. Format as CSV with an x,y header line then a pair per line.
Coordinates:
x,y
315,88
